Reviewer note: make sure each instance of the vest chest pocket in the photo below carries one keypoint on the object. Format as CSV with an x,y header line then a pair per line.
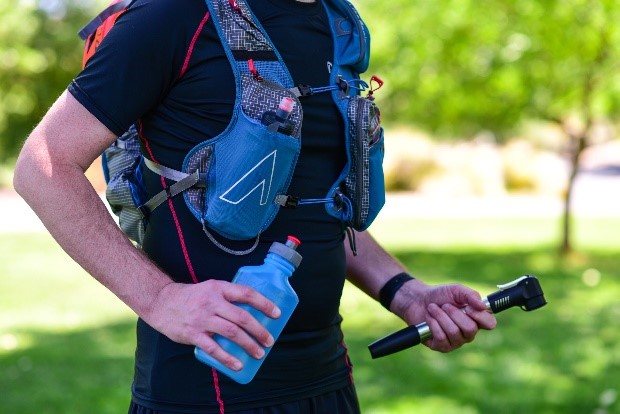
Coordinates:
x,y
246,166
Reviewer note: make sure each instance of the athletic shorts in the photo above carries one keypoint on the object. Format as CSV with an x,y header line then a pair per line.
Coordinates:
x,y
343,401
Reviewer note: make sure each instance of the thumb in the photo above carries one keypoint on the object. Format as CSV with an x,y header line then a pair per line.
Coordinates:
x,y
471,299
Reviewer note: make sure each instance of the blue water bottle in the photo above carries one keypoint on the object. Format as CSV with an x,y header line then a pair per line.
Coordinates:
x,y
271,280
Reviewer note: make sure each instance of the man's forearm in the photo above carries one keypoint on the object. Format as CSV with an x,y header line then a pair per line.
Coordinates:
x,y
76,217
372,267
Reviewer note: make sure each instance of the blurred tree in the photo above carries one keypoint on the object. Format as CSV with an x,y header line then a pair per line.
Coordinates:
x,y
39,54
459,67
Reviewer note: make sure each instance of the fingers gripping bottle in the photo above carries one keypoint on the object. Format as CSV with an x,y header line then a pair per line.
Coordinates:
x,y
271,280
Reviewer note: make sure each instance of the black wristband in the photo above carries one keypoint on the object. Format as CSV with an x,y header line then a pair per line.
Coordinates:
x,y
388,291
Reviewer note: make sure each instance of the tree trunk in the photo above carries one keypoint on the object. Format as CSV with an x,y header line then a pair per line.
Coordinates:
x,y
577,144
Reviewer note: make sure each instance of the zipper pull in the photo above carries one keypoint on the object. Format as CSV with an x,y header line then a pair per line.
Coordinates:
x,y
375,84
254,71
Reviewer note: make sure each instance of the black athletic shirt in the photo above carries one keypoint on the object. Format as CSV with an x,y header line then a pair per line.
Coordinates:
x,y
163,64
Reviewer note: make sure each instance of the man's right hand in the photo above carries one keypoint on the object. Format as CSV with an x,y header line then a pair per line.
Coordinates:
x,y
191,314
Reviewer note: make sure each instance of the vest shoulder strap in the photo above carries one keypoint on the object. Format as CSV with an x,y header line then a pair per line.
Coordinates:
x,y
94,32
247,45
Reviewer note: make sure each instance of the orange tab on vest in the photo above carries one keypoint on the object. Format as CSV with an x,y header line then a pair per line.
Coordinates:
x,y
92,43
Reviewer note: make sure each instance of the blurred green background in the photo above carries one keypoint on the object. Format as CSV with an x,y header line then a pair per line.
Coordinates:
x,y
487,100
66,344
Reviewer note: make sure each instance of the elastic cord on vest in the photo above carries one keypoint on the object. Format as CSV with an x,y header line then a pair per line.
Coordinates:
x,y
344,203
388,291
226,249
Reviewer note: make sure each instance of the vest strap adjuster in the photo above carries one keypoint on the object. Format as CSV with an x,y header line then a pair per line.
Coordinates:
x,y
287,201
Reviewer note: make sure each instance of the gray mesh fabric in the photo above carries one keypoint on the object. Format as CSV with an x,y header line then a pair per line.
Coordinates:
x,y
240,31
364,125
121,161
198,161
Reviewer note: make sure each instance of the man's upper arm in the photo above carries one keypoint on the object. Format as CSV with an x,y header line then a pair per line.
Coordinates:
x,y
67,135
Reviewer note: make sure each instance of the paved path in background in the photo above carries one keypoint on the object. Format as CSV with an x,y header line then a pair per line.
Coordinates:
x,y
596,195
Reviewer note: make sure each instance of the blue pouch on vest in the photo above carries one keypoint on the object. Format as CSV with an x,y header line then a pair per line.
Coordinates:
x,y
246,166
361,184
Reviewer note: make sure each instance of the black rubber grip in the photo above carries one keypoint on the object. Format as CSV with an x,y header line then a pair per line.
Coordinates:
x,y
397,341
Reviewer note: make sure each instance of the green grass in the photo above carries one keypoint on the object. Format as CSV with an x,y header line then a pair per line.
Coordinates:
x,y
66,344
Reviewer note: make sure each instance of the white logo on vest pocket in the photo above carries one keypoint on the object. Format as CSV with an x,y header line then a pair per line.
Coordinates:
x,y
263,171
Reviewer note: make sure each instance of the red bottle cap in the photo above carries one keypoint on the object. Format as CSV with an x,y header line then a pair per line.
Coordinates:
x,y
294,240
287,104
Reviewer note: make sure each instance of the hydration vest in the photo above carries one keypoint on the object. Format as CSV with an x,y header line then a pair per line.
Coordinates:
x,y
235,183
